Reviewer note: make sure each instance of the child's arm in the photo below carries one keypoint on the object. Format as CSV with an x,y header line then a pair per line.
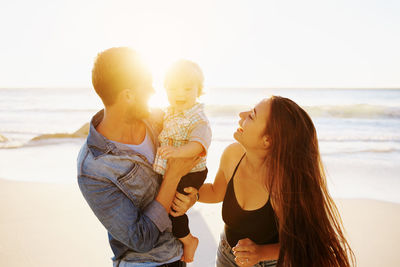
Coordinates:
x,y
189,150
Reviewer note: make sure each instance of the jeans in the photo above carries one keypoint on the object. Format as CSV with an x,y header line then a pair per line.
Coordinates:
x,y
225,257
123,263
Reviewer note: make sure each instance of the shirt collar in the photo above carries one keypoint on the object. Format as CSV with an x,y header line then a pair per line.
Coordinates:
x,y
187,112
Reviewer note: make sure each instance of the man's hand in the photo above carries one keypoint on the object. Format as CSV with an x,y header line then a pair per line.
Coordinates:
x,y
178,167
182,203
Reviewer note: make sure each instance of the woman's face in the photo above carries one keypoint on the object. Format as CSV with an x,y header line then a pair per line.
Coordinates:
x,y
252,125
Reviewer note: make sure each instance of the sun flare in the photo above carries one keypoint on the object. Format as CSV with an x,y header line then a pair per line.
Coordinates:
x,y
158,62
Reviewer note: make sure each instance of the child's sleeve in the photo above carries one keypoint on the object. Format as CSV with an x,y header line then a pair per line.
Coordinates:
x,y
201,133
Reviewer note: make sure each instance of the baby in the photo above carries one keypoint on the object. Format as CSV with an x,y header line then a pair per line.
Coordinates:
x,y
186,133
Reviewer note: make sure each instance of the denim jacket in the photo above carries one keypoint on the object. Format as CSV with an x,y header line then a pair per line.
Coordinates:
x,y
120,187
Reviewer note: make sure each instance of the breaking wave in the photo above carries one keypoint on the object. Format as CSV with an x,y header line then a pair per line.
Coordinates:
x,y
340,111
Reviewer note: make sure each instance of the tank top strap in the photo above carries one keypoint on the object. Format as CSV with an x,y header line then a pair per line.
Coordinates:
x,y
237,166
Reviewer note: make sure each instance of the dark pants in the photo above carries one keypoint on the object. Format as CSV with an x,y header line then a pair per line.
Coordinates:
x,y
180,224
121,263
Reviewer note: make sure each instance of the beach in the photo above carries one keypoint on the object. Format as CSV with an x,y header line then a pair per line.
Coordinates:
x,y
46,224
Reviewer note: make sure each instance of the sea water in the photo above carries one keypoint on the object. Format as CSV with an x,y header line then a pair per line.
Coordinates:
x,y
358,132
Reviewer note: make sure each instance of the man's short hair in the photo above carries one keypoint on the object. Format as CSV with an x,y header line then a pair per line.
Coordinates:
x,y
115,70
186,71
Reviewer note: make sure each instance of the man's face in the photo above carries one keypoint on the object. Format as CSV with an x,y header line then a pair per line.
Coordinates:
x,y
138,109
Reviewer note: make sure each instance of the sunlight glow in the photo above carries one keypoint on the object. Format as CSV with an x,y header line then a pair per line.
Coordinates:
x,y
158,55
158,64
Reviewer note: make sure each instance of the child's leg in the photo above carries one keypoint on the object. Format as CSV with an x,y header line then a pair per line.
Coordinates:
x,y
180,229
180,224
190,243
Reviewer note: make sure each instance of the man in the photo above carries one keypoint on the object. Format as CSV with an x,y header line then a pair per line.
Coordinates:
x,y
115,173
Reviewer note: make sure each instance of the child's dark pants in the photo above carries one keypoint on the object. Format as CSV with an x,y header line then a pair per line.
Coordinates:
x,y
180,224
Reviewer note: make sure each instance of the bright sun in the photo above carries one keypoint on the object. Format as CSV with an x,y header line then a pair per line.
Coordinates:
x,y
159,50
158,61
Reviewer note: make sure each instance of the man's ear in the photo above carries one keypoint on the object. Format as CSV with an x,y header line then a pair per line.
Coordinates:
x,y
128,95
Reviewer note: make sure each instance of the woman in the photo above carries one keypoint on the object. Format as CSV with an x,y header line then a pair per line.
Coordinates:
x,y
276,205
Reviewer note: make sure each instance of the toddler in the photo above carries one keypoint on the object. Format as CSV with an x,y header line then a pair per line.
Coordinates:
x,y
186,133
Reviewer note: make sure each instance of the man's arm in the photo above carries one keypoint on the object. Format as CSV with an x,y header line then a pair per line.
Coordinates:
x,y
125,222
137,229
176,168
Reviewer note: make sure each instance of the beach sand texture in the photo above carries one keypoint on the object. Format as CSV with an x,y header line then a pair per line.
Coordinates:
x,y
51,225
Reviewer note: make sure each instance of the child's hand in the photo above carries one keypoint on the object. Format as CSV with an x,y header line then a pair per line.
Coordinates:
x,y
167,152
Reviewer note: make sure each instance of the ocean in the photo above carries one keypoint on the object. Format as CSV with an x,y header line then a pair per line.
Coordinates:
x,y
358,132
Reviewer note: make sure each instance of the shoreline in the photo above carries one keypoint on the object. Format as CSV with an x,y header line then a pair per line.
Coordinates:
x,y
42,222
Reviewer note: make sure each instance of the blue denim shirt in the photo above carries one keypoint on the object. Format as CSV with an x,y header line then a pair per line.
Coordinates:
x,y
120,187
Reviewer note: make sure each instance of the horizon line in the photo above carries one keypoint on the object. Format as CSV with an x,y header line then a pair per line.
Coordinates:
x,y
230,87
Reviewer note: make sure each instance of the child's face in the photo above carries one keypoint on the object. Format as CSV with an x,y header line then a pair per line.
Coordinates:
x,y
182,95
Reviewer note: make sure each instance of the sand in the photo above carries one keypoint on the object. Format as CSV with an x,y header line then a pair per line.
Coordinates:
x,y
43,224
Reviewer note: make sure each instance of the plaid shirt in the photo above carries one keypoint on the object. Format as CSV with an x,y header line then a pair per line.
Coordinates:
x,y
182,127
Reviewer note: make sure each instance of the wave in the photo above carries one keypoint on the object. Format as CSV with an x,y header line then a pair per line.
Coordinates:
x,y
332,139
354,111
340,111
359,139
376,150
379,145
358,151
45,139
59,110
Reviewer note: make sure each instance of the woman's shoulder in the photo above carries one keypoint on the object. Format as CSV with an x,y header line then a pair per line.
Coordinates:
x,y
230,158
233,150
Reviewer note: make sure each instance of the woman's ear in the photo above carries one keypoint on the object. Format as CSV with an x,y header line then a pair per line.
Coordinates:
x,y
266,141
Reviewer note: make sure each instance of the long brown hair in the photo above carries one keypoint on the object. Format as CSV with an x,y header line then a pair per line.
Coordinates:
x,y
310,227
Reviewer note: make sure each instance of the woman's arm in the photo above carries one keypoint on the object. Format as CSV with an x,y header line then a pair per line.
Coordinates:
x,y
215,192
210,193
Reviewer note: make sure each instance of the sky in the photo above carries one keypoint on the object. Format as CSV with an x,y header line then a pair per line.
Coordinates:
x,y
249,43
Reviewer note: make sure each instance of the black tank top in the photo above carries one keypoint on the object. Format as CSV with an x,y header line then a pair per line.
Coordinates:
x,y
259,225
